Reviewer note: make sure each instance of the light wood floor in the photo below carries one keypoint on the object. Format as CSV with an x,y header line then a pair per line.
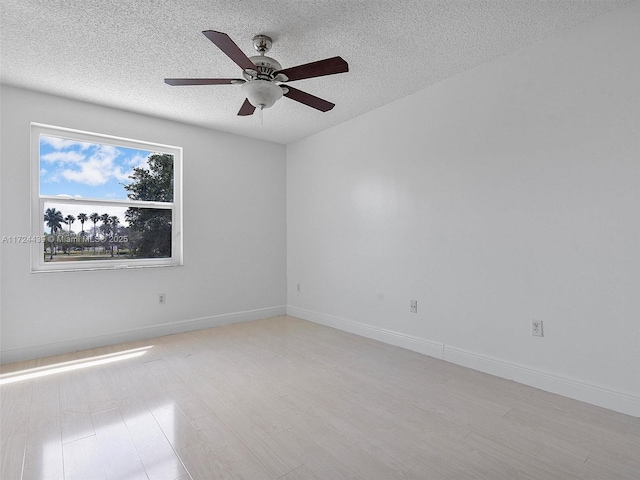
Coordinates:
x,y
286,399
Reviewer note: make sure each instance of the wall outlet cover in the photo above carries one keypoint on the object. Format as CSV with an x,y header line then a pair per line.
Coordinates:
x,y
536,328
414,306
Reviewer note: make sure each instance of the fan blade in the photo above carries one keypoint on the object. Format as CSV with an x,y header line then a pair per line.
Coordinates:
x,y
202,81
308,99
320,68
224,43
246,108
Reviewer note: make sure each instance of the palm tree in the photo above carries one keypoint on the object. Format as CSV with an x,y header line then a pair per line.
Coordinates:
x,y
94,217
54,221
70,219
105,222
105,227
82,217
114,230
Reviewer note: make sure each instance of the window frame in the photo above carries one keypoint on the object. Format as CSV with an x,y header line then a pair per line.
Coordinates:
x,y
38,265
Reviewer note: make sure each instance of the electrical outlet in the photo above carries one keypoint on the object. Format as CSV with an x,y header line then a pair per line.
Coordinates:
x,y
536,328
162,298
414,306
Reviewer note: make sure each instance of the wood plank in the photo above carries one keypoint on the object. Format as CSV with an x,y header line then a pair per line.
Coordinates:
x,y
12,450
75,413
158,457
510,463
176,427
118,453
82,460
275,460
301,473
362,461
229,463
315,458
43,459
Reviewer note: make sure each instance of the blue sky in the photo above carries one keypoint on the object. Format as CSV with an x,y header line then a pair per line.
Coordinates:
x,y
89,170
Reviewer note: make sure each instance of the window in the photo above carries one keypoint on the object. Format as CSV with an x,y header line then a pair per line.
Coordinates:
x,y
101,202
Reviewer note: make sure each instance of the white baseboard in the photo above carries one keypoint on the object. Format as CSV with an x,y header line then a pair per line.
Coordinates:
x,y
143,333
416,344
622,402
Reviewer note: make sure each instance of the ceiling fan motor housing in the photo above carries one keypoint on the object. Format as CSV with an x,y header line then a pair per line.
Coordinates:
x,y
265,67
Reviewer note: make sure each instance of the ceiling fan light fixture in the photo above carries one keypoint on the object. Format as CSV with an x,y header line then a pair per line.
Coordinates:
x,y
263,74
262,93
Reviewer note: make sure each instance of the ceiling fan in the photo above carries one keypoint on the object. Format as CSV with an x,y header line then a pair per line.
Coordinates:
x,y
263,75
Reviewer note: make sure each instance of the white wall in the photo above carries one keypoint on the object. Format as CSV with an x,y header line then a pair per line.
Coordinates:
x,y
234,238
506,194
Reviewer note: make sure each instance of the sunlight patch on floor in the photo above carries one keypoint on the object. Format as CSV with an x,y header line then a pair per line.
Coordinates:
x,y
72,365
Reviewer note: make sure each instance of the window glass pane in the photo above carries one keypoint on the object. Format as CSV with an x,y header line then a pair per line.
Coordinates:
x,y
79,169
103,202
77,232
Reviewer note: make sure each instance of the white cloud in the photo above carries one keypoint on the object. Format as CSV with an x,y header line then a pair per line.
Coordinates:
x,y
137,161
90,173
63,157
120,175
98,169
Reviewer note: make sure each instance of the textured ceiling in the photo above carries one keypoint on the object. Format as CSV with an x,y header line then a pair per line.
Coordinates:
x,y
118,52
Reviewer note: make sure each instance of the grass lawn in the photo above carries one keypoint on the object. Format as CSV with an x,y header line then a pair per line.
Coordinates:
x,y
84,256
